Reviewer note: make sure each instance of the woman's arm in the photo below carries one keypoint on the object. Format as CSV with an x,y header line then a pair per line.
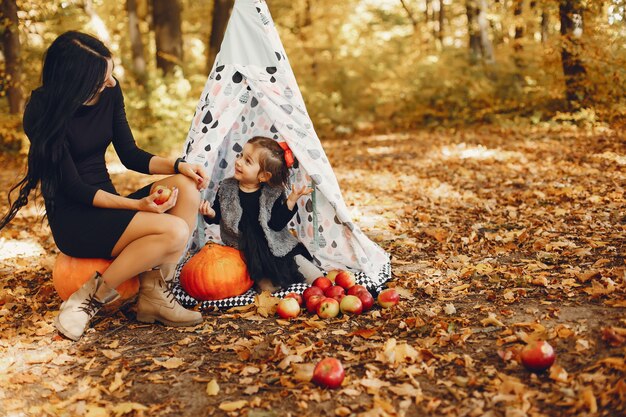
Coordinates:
x,y
105,199
131,156
139,160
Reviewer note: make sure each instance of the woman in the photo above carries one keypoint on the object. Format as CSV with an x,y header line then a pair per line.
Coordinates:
x,y
70,120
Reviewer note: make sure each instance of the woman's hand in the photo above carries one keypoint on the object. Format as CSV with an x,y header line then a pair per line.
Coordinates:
x,y
196,173
296,194
148,204
206,209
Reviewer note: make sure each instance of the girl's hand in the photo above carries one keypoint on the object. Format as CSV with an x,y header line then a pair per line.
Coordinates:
x,y
196,173
148,204
296,194
206,209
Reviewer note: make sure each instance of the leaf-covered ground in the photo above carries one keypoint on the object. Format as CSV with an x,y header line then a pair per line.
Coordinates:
x,y
498,236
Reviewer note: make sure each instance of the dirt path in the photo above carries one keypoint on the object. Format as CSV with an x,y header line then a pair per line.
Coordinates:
x,y
497,237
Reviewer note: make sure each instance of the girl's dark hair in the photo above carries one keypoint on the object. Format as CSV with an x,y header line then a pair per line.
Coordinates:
x,y
272,160
74,70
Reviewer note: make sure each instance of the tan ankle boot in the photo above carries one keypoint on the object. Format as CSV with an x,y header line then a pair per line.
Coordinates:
x,y
158,303
78,310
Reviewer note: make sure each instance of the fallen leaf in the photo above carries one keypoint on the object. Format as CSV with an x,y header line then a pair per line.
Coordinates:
x,y
449,309
364,333
491,320
233,405
265,304
212,388
171,363
557,373
111,354
127,407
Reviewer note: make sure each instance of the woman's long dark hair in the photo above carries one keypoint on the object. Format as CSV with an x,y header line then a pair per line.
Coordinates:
x,y
74,70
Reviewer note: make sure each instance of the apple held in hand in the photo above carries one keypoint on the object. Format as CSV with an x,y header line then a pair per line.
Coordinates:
x,y
345,279
328,373
313,302
388,298
351,304
288,308
312,291
328,308
163,194
335,292
538,356
296,297
323,283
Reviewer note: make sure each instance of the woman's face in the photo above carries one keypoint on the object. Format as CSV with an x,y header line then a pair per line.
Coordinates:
x,y
109,81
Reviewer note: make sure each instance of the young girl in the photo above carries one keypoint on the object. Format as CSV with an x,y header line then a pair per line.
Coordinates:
x,y
253,213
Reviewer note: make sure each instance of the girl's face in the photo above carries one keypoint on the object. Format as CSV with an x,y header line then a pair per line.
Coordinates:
x,y
247,167
109,81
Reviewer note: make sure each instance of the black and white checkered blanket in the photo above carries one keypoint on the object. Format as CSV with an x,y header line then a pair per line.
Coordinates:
x,y
374,285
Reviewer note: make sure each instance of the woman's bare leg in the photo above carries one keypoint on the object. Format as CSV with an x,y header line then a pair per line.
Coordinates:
x,y
153,239
150,240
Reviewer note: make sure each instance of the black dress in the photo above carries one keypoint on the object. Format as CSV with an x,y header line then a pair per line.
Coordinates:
x,y
80,229
261,263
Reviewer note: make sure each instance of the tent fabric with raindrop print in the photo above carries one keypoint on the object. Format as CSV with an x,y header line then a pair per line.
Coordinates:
x,y
252,91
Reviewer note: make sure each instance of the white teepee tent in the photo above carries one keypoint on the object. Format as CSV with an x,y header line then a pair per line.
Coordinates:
x,y
252,91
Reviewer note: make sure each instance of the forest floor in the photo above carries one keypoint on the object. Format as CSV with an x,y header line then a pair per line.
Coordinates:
x,y
497,237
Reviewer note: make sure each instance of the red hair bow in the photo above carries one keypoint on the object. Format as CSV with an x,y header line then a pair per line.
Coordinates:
x,y
288,154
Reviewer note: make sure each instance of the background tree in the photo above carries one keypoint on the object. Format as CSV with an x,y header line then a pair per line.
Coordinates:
x,y
221,13
576,85
136,44
166,16
11,48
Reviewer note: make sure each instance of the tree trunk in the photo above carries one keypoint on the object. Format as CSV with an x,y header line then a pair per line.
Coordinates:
x,y
519,23
519,34
440,29
221,14
168,34
11,48
485,42
576,85
136,45
472,30
545,25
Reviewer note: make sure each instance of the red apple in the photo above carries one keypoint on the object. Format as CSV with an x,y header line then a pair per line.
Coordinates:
x,y
312,291
296,297
288,308
388,298
335,292
351,304
328,308
163,194
345,279
328,373
538,356
366,299
312,302
355,289
332,274
322,282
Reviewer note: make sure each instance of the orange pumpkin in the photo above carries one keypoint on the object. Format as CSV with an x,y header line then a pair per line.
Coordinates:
x,y
69,274
214,273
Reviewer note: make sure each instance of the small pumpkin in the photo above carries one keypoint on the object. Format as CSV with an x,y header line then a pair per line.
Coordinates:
x,y
215,273
69,274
